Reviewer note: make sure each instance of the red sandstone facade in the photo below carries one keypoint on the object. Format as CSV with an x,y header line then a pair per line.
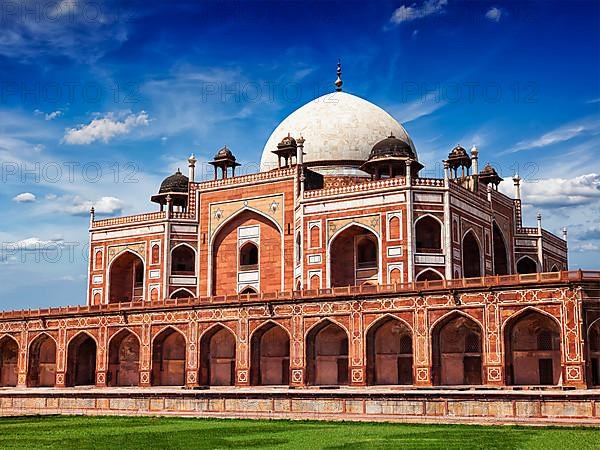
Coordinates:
x,y
294,276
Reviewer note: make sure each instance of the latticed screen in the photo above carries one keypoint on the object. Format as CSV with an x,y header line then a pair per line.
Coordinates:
x,y
544,340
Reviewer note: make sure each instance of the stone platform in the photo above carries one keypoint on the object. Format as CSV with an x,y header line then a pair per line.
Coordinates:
x,y
468,406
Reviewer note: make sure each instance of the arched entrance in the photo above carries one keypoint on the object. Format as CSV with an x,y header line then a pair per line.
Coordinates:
x,y
526,265
594,353
81,361
389,353
124,360
168,358
236,259
327,355
532,347
500,251
428,235
354,257
270,363
41,370
456,348
9,358
217,354
126,278
471,256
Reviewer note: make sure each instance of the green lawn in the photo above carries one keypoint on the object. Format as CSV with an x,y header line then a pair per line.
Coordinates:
x,y
149,433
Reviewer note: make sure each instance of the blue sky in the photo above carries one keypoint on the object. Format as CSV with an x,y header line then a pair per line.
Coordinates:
x,y
99,101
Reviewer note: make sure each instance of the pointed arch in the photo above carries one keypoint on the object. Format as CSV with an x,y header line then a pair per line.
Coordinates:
x,y
429,274
248,290
526,264
471,255
270,354
182,293
169,349
343,274
554,268
124,359
327,354
428,234
81,360
241,211
126,277
532,348
218,347
41,364
248,256
389,351
457,355
9,359
500,248
183,259
225,241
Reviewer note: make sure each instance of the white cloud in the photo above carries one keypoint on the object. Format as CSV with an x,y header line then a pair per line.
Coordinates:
x,y
414,11
34,243
53,115
493,14
560,192
78,206
414,34
586,126
24,197
105,128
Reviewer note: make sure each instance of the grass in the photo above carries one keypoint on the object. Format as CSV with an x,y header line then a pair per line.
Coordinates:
x,y
74,432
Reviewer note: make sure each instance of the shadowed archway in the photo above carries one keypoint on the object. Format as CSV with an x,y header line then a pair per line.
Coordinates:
x,y
456,350
9,358
270,362
471,256
217,357
124,360
389,353
81,361
327,355
168,358
41,370
126,279
532,343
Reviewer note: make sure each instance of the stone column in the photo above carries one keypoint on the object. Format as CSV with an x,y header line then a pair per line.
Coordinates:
x,y
242,372
422,362
297,363
493,361
22,359
572,358
61,356
191,375
145,354
102,356
356,347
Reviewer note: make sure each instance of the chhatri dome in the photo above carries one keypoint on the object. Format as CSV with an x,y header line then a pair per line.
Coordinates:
x,y
339,129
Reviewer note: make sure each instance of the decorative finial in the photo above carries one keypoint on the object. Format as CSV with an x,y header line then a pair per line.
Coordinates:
x,y
339,82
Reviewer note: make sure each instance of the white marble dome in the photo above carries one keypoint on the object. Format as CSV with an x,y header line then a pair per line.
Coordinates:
x,y
336,127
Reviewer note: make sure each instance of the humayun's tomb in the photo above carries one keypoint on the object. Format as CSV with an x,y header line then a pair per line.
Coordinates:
x,y
335,282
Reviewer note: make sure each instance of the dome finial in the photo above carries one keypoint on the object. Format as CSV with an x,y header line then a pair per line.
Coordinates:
x,y
339,82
